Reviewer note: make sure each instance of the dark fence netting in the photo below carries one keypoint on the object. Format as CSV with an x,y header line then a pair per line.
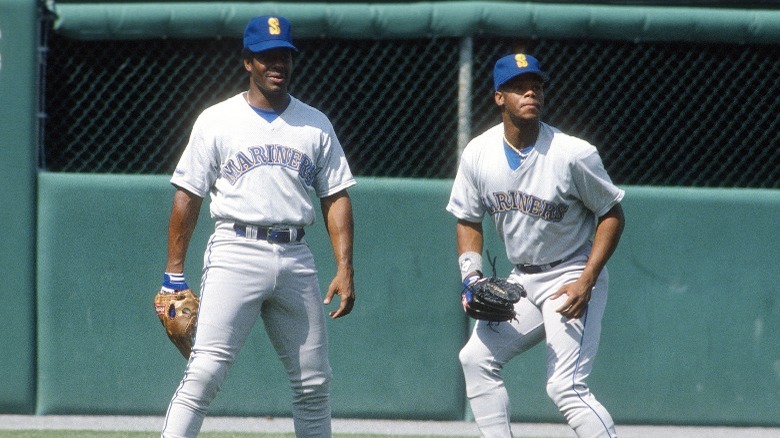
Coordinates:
x,y
705,115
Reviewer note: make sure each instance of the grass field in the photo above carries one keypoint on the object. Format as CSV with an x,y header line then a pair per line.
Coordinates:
x,y
103,434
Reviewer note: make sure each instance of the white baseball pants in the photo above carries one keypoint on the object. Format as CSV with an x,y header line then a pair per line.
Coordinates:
x,y
244,279
571,350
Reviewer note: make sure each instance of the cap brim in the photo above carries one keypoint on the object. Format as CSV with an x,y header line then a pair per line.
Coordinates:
x,y
268,45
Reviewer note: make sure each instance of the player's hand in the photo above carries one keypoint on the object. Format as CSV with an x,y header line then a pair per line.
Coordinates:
x,y
578,296
344,286
471,278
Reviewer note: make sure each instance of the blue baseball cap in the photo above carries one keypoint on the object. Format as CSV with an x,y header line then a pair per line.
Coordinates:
x,y
268,32
511,66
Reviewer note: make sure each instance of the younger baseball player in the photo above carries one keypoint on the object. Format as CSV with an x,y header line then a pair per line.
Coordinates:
x,y
559,216
258,155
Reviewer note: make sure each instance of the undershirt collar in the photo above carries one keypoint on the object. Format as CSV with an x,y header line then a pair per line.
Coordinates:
x,y
268,115
514,157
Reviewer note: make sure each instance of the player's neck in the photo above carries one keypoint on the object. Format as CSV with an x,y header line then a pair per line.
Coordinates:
x,y
521,136
273,102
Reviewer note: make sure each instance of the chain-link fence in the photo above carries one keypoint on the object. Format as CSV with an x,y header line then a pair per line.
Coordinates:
x,y
661,114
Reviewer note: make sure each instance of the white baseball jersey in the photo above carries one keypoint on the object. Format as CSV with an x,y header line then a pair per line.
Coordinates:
x,y
544,210
259,172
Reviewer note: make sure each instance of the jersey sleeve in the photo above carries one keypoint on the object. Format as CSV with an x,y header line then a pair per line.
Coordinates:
x,y
333,172
594,185
465,202
198,166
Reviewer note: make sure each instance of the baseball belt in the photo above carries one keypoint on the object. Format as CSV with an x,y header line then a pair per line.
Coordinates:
x,y
536,269
272,234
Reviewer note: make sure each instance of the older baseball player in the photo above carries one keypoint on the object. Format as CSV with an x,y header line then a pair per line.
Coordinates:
x,y
259,155
559,216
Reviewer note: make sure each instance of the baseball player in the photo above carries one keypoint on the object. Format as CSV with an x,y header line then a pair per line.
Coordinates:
x,y
259,155
559,216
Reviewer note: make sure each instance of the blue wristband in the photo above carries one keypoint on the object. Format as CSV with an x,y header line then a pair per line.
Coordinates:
x,y
173,282
471,279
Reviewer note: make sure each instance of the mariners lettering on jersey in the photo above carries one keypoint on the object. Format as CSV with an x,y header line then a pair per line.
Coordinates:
x,y
269,155
502,202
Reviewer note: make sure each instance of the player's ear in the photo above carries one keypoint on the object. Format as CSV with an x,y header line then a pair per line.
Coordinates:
x,y
499,96
248,64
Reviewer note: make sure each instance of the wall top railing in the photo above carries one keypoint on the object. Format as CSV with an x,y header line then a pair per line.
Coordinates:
x,y
120,21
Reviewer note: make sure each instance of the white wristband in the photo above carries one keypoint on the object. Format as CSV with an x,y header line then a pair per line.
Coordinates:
x,y
469,262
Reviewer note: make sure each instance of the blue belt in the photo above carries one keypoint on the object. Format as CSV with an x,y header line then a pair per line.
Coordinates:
x,y
536,269
273,234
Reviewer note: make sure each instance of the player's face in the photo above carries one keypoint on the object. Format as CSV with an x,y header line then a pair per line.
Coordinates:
x,y
522,98
270,71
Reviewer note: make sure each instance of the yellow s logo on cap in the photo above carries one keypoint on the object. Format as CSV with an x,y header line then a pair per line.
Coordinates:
x,y
521,61
273,26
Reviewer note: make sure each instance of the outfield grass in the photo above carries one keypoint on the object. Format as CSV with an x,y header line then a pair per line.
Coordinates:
x,y
104,434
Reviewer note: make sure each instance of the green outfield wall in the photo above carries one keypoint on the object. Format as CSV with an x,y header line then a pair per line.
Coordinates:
x,y
18,147
689,335
118,21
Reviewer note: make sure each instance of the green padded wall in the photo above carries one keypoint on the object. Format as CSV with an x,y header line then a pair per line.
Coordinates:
x,y
123,20
690,331
102,349
18,139
689,335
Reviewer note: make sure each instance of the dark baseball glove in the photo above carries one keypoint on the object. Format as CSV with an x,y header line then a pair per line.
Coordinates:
x,y
490,299
178,312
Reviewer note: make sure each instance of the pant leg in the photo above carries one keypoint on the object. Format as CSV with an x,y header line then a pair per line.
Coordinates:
x,y
295,322
489,348
572,345
232,291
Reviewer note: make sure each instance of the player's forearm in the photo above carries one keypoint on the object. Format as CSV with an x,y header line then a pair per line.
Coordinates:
x,y
469,236
605,241
184,218
337,212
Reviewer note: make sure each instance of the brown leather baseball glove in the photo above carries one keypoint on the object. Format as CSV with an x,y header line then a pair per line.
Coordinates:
x,y
178,312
